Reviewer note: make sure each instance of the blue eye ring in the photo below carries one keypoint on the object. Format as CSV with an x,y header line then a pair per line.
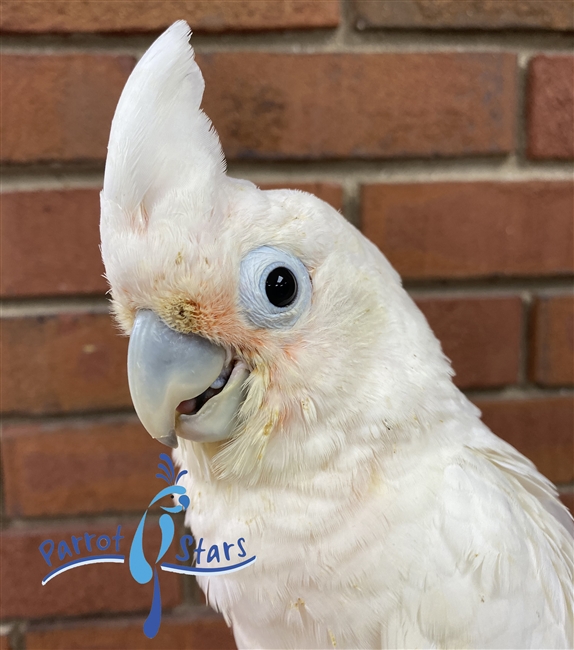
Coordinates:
x,y
256,268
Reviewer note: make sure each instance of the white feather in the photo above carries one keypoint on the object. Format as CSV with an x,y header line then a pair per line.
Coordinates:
x,y
160,140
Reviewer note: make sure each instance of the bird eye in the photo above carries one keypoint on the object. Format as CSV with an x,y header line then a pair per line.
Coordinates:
x,y
281,287
275,288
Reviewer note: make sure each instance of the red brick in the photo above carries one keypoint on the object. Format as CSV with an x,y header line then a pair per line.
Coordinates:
x,y
466,230
5,642
60,363
553,340
51,243
481,336
551,107
78,467
269,105
51,239
470,14
540,428
90,589
331,193
201,630
65,105
203,15
311,106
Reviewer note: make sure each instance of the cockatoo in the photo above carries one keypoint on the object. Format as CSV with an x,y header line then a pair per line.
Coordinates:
x,y
274,347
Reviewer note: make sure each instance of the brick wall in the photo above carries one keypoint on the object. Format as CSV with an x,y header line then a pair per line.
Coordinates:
x,y
443,128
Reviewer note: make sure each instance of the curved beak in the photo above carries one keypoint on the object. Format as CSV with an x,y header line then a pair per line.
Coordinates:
x,y
166,368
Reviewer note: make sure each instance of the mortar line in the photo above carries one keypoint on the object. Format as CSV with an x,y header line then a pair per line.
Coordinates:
x,y
517,393
521,127
92,519
526,335
16,307
47,623
78,419
429,288
489,287
17,635
351,201
345,38
473,169
110,416
452,288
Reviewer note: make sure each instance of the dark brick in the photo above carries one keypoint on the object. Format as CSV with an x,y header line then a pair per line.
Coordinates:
x,y
553,340
467,230
551,107
148,16
51,239
481,336
313,106
540,428
65,105
91,589
51,243
469,14
270,105
200,630
78,467
61,363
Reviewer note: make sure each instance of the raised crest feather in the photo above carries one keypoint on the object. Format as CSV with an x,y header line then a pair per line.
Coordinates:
x,y
160,140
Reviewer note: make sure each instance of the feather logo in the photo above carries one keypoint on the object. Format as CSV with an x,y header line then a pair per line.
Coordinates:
x,y
140,568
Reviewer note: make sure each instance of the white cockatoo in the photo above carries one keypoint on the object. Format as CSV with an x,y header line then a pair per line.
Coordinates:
x,y
274,347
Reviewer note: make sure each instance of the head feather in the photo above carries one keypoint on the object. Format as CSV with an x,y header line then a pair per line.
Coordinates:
x,y
160,142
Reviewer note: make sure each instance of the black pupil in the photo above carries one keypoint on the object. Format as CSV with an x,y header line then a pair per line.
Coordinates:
x,y
281,287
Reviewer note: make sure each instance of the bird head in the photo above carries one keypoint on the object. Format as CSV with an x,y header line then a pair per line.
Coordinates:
x,y
266,333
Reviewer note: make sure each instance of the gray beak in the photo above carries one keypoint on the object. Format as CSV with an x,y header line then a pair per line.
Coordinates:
x,y
166,368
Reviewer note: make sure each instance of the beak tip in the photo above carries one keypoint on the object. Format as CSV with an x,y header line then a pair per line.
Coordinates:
x,y
170,440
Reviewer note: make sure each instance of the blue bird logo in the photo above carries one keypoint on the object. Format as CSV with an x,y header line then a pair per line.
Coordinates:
x,y
140,568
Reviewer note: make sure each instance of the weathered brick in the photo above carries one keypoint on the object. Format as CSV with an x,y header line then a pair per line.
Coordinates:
x,y
65,105
78,467
146,16
551,107
60,363
5,641
553,340
200,630
269,105
466,230
331,193
540,428
50,243
90,589
310,106
481,336
470,14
